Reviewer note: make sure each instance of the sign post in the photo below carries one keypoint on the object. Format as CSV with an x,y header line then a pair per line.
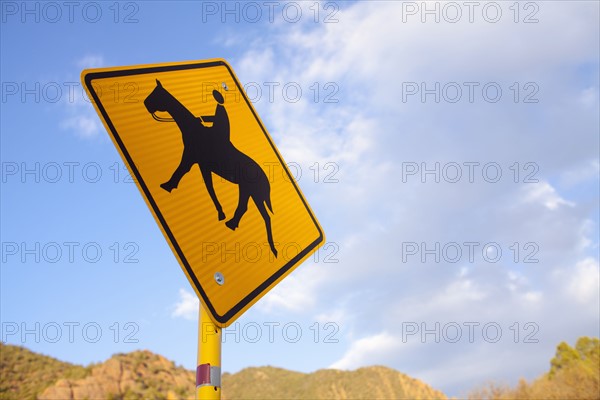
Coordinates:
x,y
208,372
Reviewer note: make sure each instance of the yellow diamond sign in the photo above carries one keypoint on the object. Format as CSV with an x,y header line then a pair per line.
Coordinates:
x,y
211,175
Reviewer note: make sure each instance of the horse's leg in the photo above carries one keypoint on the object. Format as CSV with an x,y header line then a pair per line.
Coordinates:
x,y
207,175
184,166
265,214
241,208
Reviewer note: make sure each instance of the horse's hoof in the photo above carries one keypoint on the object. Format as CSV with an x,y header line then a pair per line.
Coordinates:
x,y
221,215
166,187
231,225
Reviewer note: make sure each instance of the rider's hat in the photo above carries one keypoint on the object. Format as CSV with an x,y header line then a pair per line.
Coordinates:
x,y
218,97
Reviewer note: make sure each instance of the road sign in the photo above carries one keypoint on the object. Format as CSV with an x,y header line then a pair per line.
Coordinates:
x,y
211,175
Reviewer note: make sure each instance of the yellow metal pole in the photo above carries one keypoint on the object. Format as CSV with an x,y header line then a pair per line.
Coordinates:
x,y
208,373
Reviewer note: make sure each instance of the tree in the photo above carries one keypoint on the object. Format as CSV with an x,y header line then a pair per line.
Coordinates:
x,y
565,356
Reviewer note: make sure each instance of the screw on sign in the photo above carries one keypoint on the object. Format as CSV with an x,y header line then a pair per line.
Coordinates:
x,y
212,125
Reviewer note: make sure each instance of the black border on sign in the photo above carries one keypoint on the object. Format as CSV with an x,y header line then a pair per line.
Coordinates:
x,y
223,319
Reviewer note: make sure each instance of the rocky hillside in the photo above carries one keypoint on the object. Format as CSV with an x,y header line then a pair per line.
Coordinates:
x,y
574,374
364,383
144,375
137,375
24,374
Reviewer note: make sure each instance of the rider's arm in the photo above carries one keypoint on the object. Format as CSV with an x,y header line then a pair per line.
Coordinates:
x,y
208,118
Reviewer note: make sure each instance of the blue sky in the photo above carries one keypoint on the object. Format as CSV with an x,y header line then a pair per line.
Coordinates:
x,y
388,92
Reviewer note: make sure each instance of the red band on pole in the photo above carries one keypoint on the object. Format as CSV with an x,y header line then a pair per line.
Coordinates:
x,y
203,375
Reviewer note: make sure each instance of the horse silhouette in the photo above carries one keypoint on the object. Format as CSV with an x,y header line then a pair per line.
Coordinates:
x,y
212,150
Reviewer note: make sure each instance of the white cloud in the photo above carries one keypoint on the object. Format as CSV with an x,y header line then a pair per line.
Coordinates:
x,y
338,316
187,306
80,116
293,294
368,350
90,61
587,171
584,283
533,296
543,193
85,126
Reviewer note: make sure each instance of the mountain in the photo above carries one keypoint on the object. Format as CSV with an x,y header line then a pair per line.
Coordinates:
x,y
24,375
144,375
139,375
364,383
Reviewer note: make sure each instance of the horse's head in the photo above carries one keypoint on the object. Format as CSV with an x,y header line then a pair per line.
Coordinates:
x,y
157,100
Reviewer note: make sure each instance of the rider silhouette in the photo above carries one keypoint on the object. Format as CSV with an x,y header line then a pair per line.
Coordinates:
x,y
220,120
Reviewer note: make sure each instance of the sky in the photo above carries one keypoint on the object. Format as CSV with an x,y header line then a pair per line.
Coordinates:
x,y
450,151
